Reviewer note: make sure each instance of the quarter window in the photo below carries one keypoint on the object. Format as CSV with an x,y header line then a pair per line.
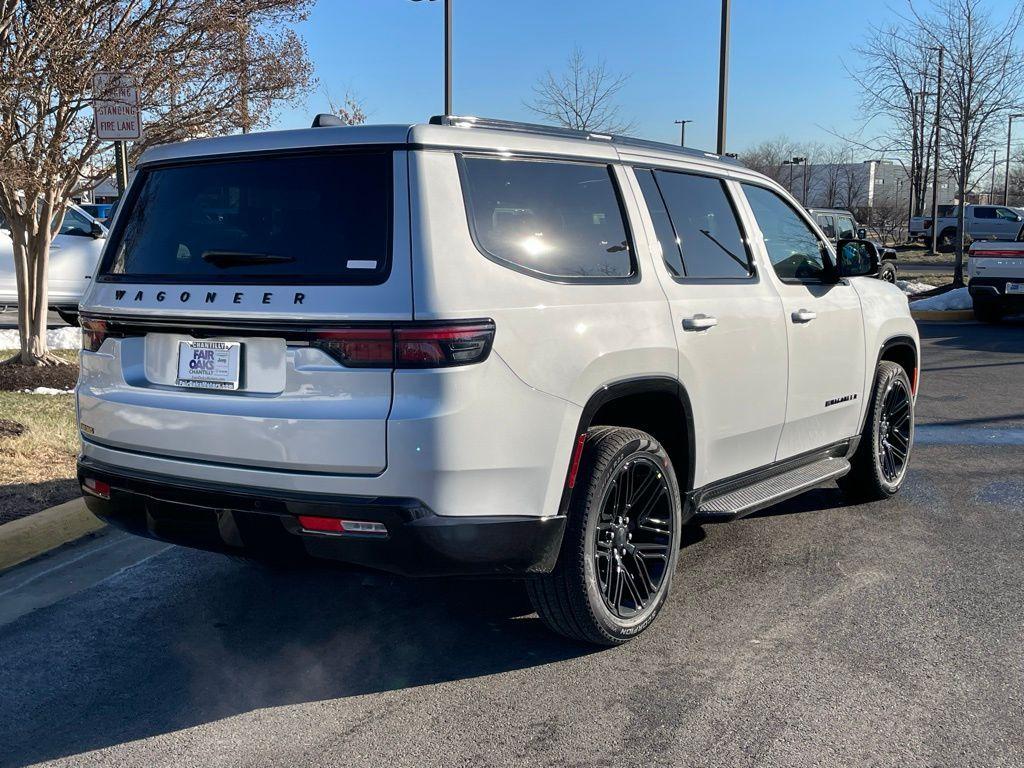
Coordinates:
x,y
793,248
556,219
707,236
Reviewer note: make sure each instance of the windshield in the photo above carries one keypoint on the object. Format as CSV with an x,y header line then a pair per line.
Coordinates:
x,y
284,219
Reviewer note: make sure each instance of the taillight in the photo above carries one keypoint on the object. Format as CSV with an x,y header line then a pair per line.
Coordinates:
x,y
358,347
94,332
443,346
434,345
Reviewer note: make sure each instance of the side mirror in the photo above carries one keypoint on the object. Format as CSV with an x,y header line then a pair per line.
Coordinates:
x,y
96,229
857,258
862,234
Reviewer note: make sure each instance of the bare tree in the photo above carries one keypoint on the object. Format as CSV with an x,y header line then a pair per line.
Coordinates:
x,y
772,158
985,82
349,109
582,97
896,73
189,84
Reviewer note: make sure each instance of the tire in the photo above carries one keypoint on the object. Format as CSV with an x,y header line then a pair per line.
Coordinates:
x,y
946,241
71,318
887,272
987,311
878,472
571,600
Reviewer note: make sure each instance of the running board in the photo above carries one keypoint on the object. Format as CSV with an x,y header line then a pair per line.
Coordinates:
x,y
740,502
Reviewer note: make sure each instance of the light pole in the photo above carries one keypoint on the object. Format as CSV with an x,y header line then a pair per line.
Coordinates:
x,y
790,164
935,161
682,131
801,161
447,54
723,76
1006,179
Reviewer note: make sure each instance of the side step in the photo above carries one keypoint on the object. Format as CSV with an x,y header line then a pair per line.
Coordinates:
x,y
739,502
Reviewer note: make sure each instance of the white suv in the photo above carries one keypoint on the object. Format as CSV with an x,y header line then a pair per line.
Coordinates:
x,y
480,348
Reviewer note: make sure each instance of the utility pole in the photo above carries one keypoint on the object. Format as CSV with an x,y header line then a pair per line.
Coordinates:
x,y
723,76
447,55
992,182
935,169
682,131
1006,179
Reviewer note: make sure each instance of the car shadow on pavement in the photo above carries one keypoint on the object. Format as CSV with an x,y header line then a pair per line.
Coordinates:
x,y
188,638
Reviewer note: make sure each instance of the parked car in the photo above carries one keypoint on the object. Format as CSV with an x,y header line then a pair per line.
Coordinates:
x,y
981,222
480,348
996,272
74,254
102,212
839,224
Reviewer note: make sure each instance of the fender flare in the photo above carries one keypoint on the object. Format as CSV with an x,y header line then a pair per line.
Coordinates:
x,y
628,387
900,340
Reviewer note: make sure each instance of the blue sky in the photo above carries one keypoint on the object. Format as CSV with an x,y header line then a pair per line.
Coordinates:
x,y
786,70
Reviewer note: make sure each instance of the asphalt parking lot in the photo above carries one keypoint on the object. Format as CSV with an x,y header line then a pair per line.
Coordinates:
x,y
812,634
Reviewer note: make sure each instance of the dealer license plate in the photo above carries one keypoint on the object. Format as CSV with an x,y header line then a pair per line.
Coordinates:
x,y
208,364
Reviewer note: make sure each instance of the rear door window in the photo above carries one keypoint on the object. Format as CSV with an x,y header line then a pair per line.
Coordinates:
x,y
323,218
554,219
982,212
707,235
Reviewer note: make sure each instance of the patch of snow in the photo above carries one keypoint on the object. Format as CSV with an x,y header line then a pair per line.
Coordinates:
x,y
912,288
958,298
47,391
65,337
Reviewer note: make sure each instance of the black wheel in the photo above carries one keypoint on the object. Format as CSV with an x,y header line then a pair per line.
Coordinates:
x,y
71,318
621,541
887,272
987,311
880,463
947,240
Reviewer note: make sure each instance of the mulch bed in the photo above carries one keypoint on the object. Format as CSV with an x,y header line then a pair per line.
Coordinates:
x,y
23,499
10,428
15,377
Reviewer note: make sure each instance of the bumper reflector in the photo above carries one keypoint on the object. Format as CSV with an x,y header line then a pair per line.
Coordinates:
x,y
337,526
96,488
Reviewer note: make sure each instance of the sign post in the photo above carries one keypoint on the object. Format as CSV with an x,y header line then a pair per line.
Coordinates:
x,y
116,111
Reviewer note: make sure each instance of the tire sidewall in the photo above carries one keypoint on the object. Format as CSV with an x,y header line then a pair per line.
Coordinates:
x,y
600,482
887,376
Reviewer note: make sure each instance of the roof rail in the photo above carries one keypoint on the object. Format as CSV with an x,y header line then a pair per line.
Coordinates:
x,y
469,121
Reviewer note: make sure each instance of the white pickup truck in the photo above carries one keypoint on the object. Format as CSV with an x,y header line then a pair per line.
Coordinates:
x,y
996,271
981,222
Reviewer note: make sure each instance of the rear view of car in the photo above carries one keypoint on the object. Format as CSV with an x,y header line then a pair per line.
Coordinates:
x,y
254,379
996,271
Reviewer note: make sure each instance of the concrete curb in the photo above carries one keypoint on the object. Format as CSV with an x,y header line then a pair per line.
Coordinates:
x,y
23,539
943,316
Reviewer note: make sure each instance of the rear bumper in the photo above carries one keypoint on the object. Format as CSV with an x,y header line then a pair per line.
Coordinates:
x,y
993,290
256,521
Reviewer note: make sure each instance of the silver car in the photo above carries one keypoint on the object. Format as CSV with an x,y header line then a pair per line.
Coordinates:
x,y
74,253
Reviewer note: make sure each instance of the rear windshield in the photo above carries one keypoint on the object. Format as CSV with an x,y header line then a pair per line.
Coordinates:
x,y
285,219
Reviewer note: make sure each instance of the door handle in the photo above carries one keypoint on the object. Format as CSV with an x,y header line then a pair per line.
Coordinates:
x,y
699,322
804,316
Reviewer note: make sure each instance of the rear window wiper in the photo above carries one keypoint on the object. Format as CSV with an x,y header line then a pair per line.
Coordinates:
x,y
243,258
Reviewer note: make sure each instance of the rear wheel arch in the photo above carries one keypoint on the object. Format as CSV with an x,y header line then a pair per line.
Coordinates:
x,y
657,405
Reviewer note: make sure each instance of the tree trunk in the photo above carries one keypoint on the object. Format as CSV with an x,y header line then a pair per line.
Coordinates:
x,y
958,268
31,268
